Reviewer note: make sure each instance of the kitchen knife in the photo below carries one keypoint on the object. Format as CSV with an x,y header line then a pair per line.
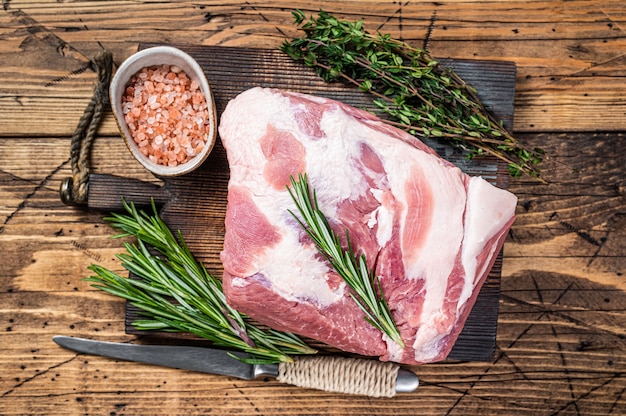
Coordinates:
x,y
336,374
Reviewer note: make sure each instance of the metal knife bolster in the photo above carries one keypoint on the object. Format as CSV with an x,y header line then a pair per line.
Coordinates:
x,y
334,374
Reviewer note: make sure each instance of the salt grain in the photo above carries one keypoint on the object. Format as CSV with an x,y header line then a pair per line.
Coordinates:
x,y
166,114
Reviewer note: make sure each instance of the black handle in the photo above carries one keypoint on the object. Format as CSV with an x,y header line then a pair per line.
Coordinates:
x,y
106,192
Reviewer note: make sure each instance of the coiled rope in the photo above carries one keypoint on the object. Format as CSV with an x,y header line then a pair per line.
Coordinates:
x,y
74,189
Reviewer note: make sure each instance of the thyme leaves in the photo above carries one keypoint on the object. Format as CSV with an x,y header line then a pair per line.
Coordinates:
x,y
412,88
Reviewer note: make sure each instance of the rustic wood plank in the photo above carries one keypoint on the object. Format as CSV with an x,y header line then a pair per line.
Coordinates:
x,y
570,60
581,212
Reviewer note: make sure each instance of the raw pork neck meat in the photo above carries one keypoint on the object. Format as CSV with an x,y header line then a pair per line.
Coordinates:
x,y
431,231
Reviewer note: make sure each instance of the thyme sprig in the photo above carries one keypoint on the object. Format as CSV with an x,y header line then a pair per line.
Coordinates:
x,y
176,293
353,269
419,94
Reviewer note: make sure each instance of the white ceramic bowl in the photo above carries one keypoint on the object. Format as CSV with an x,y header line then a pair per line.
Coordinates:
x,y
160,55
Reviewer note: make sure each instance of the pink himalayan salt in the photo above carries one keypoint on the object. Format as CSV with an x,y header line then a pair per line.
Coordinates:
x,y
167,114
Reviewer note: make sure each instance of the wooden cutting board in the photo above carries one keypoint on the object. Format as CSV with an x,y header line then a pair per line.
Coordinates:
x,y
196,203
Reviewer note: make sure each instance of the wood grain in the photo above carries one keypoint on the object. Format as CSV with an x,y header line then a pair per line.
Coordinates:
x,y
560,344
568,52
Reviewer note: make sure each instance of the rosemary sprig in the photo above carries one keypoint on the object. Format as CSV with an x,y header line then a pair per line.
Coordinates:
x,y
368,292
176,293
413,89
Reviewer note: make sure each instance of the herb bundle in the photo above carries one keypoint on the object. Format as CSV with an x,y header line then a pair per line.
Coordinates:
x,y
413,89
368,293
177,294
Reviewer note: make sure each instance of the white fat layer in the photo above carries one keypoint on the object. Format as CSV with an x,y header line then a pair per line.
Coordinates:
x,y
394,350
239,282
338,153
383,217
298,275
434,261
426,343
488,210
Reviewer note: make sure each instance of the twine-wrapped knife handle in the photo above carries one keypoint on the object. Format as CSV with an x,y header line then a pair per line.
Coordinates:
x,y
342,375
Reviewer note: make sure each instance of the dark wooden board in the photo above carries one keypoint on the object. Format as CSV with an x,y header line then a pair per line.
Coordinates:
x,y
196,203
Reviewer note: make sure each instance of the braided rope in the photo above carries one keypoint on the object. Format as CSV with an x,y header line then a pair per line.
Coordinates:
x,y
342,375
74,189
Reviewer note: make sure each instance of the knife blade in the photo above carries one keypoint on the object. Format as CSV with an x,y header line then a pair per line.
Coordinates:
x,y
335,374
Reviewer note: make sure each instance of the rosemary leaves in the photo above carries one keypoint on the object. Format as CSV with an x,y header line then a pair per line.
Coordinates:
x,y
368,293
410,87
176,293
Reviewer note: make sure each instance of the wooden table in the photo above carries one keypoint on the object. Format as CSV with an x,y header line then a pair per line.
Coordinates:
x,y
561,346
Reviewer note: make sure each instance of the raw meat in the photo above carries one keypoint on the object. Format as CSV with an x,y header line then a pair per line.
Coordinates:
x,y
431,231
